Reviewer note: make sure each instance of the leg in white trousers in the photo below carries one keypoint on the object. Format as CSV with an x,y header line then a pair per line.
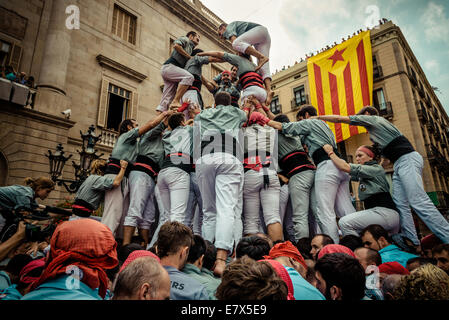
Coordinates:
x,y
116,203
333,197
172,75
219,177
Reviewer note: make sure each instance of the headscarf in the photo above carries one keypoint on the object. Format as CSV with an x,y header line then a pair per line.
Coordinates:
x,y
286,249
86,244
283,274
35,264
138,254
393,267
335,248
227,72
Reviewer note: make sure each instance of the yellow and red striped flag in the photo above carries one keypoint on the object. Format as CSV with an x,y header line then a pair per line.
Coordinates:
x,y
341,81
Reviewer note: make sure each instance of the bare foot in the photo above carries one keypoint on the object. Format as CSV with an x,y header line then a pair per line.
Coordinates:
x,y
220,266
174,107
270,95
261,62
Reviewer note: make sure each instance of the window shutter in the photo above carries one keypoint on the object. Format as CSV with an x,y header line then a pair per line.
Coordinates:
x,y
15,57
103,106
134,105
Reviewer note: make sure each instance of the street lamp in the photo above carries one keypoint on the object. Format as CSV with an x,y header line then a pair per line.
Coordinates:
x,y
82,170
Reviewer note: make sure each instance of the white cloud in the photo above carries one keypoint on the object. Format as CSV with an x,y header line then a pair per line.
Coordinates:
x,y
436,24
432,66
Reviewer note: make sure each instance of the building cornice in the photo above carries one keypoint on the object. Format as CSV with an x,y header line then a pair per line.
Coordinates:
x,y
116,66
199,17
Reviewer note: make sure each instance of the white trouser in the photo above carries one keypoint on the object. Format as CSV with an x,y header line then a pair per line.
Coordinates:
x,y
172,75
255,196
194,212
333,197
408,191
191,95
141,211
285,213
261,40
174,189
116,203
256,91
355,222
219,179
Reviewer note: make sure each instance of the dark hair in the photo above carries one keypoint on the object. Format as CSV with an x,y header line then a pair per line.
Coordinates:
x,y
247,279
196,51
126,250
281,118
440,248
175,120
123,126
351,241
371,110
16,264
173,235
344,272
224,24
222,98
376,231
304,247
326,239
191,33
421,261
311,110
210,255
375,149
197,249
372,256
40,183
254,247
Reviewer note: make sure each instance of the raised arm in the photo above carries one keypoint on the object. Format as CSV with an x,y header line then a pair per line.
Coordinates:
x,y
154,122
339,163
118,178
211,86
214,54
181,50
334,118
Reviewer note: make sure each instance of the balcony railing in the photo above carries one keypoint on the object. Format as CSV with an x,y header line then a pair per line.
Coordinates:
x,y
16,93
421,91
385,109
412,76
422,115
108,137
430,125
377,72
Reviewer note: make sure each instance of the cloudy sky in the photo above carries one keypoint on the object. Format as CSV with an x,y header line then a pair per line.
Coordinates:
x,y
298,27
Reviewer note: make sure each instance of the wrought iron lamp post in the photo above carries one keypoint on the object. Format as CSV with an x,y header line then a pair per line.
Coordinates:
x,y
82,170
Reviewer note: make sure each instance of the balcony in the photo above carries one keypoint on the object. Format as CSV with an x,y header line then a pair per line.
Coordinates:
x,y
421,91
437,133
377,72
412,76
108,137
430,125
17,93
385,109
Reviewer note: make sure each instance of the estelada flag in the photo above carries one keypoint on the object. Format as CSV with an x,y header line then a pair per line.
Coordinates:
x,y
341,81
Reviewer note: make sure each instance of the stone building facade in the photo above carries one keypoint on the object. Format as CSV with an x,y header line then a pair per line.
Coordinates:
x,y
104,67
401,93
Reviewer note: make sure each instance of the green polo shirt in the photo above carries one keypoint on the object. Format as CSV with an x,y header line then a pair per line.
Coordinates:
x,y
16,196
126,146
209,282
242,63
150,144
314,133
178,59
195,64
372,178
380,130
92,189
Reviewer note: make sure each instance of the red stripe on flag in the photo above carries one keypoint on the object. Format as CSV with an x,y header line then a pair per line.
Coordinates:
x,y
363,73
335,105
353,130
319,89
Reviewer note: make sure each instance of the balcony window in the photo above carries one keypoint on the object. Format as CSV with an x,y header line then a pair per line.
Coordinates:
x,y
275,106
300,96
124,25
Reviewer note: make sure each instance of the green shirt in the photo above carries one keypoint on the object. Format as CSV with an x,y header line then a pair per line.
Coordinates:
x,y
151,146
207,280
380,130
16,196
242,63
178,140
288,143
92,189
314,133
195,64
178,59
126,146
237,28
372,178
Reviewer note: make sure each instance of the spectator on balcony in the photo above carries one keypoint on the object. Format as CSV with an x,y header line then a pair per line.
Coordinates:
x,y
21,78
10,74
408,189
30,82
374,191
